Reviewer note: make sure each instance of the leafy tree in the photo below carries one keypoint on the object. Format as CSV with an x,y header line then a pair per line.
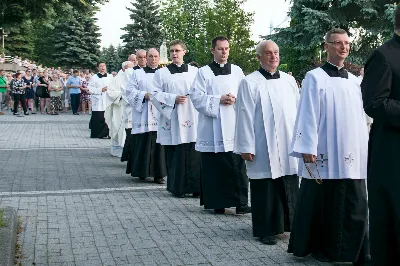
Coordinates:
x,y
145,31
369,23
197,22
186,21
236,27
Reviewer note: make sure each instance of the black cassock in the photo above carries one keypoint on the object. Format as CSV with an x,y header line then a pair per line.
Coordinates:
x,y
98,126
147,158
183,168
273,202
127,146
224,181
330,219
381,96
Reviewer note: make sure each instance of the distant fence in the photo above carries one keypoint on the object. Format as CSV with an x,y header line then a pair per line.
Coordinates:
x,y
11,67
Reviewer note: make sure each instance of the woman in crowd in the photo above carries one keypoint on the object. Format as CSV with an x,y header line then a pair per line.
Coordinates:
x,y
65,95
29,92
18,86
85,96
55,89
44,82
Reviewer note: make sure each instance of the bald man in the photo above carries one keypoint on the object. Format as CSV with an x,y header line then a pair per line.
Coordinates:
x,y
265,118
147,158
132,58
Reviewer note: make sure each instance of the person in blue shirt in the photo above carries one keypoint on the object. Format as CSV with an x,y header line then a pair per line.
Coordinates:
x,y
74,86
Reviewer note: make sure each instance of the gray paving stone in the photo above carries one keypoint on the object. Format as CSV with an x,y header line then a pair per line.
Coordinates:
x,y
78,207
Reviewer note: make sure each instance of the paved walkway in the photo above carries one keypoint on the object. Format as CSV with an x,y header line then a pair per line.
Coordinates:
x,y
78,207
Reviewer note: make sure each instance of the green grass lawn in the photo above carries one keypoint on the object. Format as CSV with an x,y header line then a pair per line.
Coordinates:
x,y
1,218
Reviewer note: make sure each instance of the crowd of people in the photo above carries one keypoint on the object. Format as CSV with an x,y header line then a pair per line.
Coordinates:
x,y
45,90
214,132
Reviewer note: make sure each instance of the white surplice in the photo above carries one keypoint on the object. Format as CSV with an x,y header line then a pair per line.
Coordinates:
x,y
177,122
144,114
331,125
265,118
99,98
216,129
118,111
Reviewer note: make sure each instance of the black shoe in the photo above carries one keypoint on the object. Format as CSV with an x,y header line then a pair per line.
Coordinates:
x,y
15,114
243,209
108,137
26,113
268,240
180,196
196,194
159,180
366,261
219,211
321,257
33,113
142,178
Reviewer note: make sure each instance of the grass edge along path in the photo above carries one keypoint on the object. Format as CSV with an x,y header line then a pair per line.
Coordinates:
x,y
2,223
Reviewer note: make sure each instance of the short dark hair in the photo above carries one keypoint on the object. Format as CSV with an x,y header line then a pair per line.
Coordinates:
x,y
333,31
397,18
178,42
216,39
75,71
1,70
18,74
101,62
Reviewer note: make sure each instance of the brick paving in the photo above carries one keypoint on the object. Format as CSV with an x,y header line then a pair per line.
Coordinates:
x,y
78,207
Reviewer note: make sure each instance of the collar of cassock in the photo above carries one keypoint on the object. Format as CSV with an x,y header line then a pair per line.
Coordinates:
x,y
148,69
173,68
269,75
396,36
101,75
220,69
335,71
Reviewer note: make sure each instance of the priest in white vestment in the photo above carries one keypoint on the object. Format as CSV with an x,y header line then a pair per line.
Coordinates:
x,y
177,124
266,112
147,158
331,139
224,182
118,112
98,85
126,152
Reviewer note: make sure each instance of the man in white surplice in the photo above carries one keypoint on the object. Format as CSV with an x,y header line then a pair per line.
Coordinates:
x,y
331,139
177,124
213,93
147,158
266,112
118,112
98,86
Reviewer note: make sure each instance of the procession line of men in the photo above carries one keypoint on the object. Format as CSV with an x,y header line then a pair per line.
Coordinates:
x,y
212,129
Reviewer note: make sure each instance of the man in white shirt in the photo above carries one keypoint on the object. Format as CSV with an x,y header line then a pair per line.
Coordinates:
x,y
98,85
266,112
177,124
147,158
331,138
213,93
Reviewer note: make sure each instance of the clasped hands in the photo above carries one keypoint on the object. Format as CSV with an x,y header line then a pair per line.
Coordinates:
x,y
309,158
227,99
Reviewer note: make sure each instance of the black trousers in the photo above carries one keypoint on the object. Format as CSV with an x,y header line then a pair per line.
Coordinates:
x,y
19,98
75,101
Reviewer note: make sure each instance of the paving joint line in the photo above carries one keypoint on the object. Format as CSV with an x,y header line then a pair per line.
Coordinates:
x,y
78,191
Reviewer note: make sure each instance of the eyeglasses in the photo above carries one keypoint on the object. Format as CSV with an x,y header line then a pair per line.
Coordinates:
x,y
175,51
337,44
